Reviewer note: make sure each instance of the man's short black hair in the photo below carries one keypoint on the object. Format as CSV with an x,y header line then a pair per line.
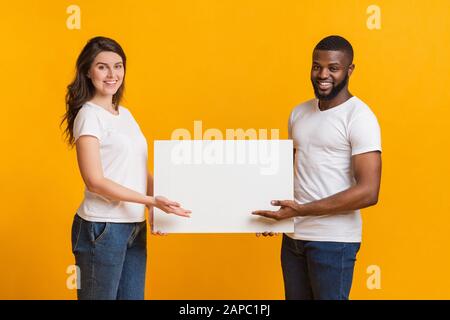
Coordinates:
x,y
336,43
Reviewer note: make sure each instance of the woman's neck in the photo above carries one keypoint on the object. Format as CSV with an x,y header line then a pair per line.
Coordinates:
x,y
104,102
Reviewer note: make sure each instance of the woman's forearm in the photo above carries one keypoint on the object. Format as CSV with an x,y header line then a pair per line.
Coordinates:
x,y
114,191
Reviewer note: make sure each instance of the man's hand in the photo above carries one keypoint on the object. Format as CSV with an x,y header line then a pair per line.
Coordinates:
x,y
286,211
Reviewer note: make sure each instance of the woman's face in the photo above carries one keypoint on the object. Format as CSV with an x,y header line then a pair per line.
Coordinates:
x,y
106,73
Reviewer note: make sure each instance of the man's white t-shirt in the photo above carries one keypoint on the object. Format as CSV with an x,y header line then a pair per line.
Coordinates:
x,y
123,153
324,142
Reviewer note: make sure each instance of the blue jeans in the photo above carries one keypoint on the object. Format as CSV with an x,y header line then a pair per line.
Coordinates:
x,y
111,258
316,270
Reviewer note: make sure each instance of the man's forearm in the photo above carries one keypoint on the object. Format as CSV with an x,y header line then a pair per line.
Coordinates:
x,y
354,198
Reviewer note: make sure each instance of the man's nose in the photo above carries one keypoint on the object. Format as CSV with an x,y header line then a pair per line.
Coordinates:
x,y
323,73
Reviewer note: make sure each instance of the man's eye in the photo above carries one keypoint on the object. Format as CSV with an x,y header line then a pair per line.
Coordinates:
x,y
334,69
101,67
315,68
119,66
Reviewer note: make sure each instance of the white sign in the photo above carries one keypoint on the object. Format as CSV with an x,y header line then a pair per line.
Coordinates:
x,y
222,182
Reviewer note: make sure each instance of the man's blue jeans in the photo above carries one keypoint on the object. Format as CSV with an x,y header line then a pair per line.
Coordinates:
x,y
111,258
315,270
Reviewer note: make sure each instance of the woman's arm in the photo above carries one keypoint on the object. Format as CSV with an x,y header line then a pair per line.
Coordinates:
x,y
89,162
88,156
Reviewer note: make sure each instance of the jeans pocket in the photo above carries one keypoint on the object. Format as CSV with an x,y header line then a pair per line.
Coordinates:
x,y
351,251
76,230
141,234
98,230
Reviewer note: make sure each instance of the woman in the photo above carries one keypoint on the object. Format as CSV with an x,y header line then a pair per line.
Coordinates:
x,y
109,229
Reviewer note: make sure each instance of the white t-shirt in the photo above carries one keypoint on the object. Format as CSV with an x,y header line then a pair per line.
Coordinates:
x,y
324,142
123,153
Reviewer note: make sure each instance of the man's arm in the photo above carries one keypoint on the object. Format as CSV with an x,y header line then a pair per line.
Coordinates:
x,y
367,173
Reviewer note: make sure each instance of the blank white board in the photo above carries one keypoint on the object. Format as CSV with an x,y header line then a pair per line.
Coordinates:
x,y
222,182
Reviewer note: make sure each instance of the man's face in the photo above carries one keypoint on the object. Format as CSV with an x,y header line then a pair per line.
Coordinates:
x,y
330,73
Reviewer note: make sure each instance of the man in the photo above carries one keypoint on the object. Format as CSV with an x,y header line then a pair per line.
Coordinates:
x,y
337,152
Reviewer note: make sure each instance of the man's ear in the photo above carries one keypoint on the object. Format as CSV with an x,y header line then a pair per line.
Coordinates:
x,y
350,69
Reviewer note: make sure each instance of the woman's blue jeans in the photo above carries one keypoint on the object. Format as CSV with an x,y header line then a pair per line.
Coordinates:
x,y
111,258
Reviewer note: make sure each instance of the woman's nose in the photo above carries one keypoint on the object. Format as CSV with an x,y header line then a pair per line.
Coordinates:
x,y
110,73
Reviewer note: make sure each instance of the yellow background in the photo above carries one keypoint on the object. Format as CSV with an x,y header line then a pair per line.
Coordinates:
x,y
231,64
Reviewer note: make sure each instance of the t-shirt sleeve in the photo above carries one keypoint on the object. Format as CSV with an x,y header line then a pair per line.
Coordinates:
x,y
87,124
364,133
290,124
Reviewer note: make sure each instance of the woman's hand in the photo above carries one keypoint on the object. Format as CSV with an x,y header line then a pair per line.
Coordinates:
x,y
170,207
150,222
267,233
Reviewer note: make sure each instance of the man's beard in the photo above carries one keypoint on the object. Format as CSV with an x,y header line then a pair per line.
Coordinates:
x,y
334,91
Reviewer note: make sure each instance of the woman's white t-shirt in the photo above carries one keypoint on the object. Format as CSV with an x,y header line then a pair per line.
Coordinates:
x,y
123,153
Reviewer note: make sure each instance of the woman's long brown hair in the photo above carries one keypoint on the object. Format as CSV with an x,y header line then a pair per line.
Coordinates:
x,y
81,89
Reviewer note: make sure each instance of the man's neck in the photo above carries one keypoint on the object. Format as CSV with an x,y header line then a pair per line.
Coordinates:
x,y
343,96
